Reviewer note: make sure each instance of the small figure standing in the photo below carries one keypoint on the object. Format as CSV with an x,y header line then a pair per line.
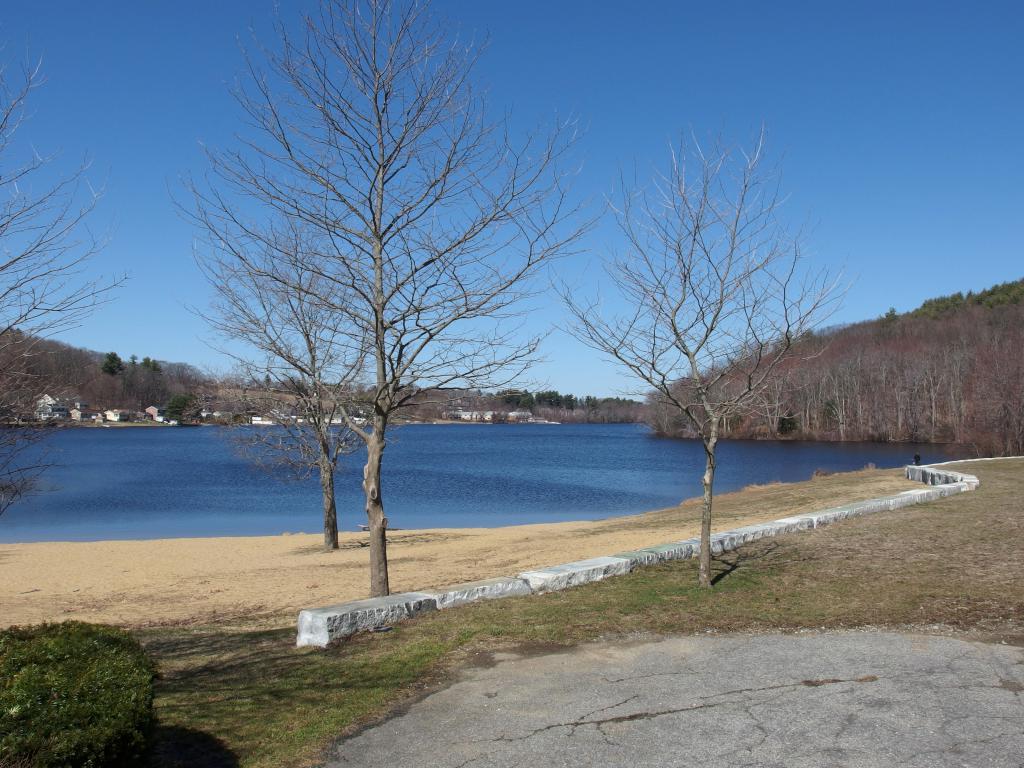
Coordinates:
x,y
917,459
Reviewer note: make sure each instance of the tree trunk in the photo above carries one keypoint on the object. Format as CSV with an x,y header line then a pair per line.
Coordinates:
x,y
378,524
705,520
330,505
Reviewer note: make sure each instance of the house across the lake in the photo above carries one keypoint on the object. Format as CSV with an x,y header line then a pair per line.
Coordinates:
x,y
52,409
116,414
156,414
461,415
83,414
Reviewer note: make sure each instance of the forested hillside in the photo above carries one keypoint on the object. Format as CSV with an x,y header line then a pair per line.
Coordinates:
x,y
565,408
102,380
950,371
106,380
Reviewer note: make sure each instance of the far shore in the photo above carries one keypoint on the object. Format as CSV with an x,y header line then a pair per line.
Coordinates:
x,y
441,422
947,449
266,580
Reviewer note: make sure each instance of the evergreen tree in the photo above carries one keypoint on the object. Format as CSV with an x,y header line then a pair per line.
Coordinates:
x,y
112,364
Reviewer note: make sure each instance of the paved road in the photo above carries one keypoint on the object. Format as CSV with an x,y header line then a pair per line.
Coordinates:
x,y
832,699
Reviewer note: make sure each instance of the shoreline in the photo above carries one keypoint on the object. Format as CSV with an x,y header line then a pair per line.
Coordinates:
x,y
266,580
945,447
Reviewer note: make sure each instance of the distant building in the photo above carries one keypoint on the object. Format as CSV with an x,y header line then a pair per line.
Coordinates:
x,y
117,415
154,413
462,415
51,409
83,414
519,416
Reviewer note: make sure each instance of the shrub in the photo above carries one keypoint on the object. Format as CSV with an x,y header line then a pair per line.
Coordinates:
x,y
73,694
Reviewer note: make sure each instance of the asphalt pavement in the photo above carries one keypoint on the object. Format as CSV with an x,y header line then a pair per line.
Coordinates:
x,y
860,699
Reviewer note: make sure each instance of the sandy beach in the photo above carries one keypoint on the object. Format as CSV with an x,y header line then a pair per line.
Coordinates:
x,y
266,580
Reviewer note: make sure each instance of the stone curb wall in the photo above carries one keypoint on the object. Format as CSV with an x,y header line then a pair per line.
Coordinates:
x,y
930,475
320,626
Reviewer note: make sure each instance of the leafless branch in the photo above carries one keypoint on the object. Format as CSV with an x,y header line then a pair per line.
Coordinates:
x,y
431,220
296,357
716,292
45,248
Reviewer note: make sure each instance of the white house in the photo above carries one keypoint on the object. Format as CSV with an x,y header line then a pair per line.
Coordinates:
x,y
51,409
460,415
117,415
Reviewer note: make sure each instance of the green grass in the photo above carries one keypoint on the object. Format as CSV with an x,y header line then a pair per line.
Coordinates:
x,y
266,702
250,698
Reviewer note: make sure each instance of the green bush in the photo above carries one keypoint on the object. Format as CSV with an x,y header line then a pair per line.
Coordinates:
x,y
73,694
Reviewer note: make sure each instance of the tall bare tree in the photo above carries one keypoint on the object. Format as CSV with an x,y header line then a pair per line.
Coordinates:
x,y
298,361
367,129
44,249
714,295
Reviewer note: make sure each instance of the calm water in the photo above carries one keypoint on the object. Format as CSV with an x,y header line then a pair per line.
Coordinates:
x,y
151,483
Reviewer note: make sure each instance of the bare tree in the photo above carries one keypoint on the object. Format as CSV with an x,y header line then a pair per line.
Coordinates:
x,y
295,353
367,129
714,295
44,248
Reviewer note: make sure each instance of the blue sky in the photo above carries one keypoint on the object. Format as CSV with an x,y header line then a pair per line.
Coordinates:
x,y
898,126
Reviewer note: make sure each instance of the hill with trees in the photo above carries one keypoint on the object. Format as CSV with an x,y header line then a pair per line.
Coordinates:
x,y
105,380
550,405
950,371
108,380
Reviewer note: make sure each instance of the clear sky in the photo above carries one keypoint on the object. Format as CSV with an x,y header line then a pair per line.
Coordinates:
x,y
899,127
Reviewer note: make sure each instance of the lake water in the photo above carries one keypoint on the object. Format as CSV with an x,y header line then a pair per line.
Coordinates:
x,y
152,483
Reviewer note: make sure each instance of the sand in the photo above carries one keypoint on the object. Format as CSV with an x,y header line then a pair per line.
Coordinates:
x,y
266,580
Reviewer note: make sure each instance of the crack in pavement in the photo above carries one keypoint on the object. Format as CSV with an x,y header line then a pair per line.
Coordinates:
x,y
581,721
631,678
610,706
939,702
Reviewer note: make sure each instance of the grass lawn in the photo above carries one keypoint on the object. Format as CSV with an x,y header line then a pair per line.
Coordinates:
x,y
250,698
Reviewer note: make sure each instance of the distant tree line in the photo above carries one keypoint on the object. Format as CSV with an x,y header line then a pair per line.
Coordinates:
x,y
950,371
996,296
555,406
107,380
550,405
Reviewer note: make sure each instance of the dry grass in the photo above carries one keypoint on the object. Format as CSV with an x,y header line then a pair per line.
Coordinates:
x,y
250,698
